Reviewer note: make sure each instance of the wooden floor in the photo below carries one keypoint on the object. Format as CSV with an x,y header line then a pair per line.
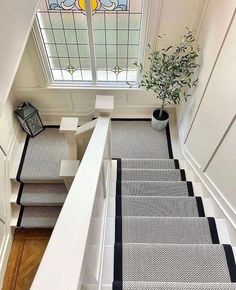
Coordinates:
x,y
26,253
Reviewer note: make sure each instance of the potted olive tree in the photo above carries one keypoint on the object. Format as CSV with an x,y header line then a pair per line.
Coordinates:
x,y
171,75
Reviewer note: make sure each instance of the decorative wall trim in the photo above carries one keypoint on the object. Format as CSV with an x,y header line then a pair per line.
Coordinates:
x,y
12,145
197,24
208,81
209,185
3,151
220,142
215,193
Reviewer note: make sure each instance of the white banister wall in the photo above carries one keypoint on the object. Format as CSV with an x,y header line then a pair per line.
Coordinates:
x,y
69,126
73,255
83,135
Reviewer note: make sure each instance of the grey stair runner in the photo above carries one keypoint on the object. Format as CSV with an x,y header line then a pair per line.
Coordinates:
x,y
42,192
151,175
160,206
40,216
167,230
150,163
43,156
173,263
137,139
155,188
172,286
34,194
163,241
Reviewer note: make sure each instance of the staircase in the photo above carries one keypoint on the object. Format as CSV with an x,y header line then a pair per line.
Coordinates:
x,y
163,240
42,191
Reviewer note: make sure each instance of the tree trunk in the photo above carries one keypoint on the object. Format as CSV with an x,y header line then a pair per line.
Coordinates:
x,y
161,110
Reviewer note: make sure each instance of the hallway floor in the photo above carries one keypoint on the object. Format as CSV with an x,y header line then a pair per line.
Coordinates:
x,y
26,253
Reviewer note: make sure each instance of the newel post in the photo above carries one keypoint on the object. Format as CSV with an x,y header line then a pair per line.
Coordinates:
x,y
104,105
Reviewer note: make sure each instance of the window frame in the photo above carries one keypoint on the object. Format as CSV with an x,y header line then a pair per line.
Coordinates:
x,y
51,83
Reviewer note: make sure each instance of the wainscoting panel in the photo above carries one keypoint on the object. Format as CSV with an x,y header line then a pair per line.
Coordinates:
x,y
222,168
4,216
45,100
8,123
212,33
218,106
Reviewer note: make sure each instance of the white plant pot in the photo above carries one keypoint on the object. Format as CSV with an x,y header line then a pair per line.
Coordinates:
x,y
159,124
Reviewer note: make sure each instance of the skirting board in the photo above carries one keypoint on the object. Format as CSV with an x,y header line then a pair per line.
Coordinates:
x,y
220,201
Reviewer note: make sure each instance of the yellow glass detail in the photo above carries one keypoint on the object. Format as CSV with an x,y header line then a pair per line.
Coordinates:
x,y
95,4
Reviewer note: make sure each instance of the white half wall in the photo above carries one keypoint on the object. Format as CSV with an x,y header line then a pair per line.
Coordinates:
x,y
207,122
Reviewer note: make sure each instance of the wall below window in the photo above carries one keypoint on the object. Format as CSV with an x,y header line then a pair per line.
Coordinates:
x,y
207,122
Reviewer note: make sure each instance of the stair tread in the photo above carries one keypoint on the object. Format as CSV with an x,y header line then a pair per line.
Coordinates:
x,y
180,230
156,188
173,263
43,156
159,206
150,163
151,174
163,241
43,194
127,285
39,217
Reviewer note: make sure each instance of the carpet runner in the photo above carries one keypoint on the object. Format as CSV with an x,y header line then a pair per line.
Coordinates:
x,y
42,191
172,286
162,238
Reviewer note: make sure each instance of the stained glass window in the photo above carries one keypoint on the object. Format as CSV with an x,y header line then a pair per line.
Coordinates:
x,y
96,47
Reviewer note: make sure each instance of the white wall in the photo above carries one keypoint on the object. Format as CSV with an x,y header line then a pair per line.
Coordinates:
x,y
9,134
15,24
171,18
207,122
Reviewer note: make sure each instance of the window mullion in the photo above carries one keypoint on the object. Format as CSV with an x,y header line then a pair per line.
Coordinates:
x,y
88,11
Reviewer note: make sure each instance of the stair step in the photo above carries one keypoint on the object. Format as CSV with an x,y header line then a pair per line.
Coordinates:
x,y
155,188
150,163
166,230
174,263
41,163
117,285
151,175
34,194
159,206
39,217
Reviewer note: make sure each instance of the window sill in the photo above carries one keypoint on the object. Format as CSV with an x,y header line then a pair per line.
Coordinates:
x,y
87,86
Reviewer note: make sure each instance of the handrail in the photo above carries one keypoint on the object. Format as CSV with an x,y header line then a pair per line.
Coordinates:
x,y
63,262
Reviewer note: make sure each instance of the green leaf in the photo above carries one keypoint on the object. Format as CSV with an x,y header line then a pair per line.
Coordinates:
x,y
169,48
171,73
